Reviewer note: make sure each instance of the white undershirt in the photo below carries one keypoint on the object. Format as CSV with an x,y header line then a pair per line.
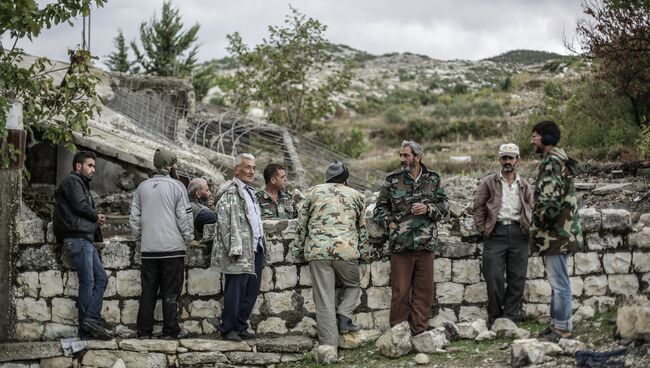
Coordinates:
x,y
510,203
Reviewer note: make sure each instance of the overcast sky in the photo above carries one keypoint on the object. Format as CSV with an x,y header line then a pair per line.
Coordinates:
x,y
442,29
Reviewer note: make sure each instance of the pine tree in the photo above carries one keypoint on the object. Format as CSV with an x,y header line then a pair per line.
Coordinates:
x,y
167,50
118,61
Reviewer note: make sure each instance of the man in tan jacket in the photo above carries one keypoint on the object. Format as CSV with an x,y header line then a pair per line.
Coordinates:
x,y
502,214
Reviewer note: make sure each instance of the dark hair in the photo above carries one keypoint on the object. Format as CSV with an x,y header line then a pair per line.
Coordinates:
x,y
271,170
340,178
549,131
81,157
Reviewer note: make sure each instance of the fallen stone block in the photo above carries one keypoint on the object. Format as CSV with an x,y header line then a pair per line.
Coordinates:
x,y
396,341
359,338
486,335
570,346
325,354
429,341
633,319
501,326
527,351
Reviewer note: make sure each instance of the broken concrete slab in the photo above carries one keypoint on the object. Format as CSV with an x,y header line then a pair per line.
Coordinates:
x,y
29,350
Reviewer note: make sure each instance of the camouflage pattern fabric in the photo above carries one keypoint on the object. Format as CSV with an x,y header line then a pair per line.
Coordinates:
x,y
233,249
331,225
284,209
556,225
398,193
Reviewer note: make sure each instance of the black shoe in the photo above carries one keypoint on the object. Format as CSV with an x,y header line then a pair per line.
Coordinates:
x,y
346,325
451,330
144,336
181,334
245,335
231,335
95,329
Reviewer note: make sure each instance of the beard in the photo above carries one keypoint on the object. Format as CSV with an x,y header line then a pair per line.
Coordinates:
x,y
407,167
507,168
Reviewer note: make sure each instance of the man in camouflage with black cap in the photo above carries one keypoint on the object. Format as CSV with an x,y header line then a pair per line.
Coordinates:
x,y
410,203
555,231
332,236
275,202
161,220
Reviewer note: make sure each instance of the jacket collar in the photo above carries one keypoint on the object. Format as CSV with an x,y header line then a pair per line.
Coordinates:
x,y
85,179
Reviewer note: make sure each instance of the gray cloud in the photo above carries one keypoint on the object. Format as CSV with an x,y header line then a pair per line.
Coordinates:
x,y
442,29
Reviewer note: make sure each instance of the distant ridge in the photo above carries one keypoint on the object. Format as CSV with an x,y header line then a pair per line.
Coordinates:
x,y
525,57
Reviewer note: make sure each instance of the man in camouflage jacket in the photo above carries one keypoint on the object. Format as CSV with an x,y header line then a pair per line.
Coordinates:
x,y
238,250
332,236
555,230
409,205
274,201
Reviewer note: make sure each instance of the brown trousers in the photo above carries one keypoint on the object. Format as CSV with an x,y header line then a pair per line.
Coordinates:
x,y
412,285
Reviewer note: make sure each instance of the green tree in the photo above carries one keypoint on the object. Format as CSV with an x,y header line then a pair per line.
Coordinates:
x,y
118,60
57,110
167,50
280,73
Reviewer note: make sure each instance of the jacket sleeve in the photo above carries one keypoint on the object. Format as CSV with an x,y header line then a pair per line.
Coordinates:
x,y
364,242
439,207
79,204
479,210
383,212
549,191
228,223
298,247
134,217
184,218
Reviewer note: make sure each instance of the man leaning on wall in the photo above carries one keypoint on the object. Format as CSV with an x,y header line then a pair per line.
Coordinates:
x,y
77,225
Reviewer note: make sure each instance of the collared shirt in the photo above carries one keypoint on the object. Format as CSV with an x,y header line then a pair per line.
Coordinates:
x,y
283,209
253,209
510,202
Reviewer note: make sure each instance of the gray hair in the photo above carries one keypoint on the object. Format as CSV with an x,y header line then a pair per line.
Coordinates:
x,y
415,148
195,185
243,156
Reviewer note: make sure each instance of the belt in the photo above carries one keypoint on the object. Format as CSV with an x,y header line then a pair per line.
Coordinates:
x,y
508,222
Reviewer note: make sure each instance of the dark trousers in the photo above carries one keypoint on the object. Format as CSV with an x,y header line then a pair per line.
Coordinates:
x,y
165,274
411,276
505,262
239,297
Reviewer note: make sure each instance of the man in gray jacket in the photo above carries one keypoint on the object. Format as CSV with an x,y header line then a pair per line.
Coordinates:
x,y
161,220
238,250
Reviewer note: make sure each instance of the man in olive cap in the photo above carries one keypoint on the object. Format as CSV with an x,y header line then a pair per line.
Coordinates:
x,y
161,220
502,214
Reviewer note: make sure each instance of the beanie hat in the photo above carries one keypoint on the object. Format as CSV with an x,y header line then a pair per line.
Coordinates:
x,y
549,131
336,169
163,159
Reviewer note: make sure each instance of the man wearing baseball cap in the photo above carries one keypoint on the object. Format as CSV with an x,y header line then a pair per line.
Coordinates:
x,y
502,214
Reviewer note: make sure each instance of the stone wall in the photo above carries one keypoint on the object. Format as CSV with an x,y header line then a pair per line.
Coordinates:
x,y
615,263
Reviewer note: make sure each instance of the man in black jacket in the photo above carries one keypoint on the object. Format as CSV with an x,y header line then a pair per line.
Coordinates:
x,y
76,225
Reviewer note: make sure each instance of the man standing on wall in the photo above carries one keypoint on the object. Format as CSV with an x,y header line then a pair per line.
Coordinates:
x,y
332,237
274,201
555,231
77,225
199,193
238,250
502,214
410,203
161,220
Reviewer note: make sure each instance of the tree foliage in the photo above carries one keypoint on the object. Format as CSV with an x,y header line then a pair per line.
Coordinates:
x,y
167,50
57,110
281,73
118,60
617,34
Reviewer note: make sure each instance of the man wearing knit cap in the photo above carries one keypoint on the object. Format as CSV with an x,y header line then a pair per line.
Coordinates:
x,y
161,220
332,237
555,230
411,202
502,211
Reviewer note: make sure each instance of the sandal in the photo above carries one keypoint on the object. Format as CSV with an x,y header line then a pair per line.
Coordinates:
x,y
545,332
554,337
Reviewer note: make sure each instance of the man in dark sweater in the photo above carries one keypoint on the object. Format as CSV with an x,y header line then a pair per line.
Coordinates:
x,y
199,193
76,225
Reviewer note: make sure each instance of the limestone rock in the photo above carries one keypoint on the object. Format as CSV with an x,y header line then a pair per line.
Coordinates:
x,y
39,258
595,285
395,342
272,325
429,341
472,313
278,302
570,346
203,281
444,314
617,262
442,270
421,359
193,327
119,364
607,241
32,309
266,283
519,333
285,344
600,304
28,331
633,320
640,239
27,284
64,311
128,283
449,293
552,349
616,220
205,308
305,276
537,291
106,358
213,345
325,354
192,359
240,357
577,286
381,319
454,248
590,220
624,284
31,232
308,300
359,338
535,267
476,293
486,335
286,277
130,312
29,350
380,273
110,311
641,262
586,263
470,330
101,345
467,227
466,271
51,283
116,255
275,251
57,362
502,326
306,326
527,351
55,331
379,297
163,346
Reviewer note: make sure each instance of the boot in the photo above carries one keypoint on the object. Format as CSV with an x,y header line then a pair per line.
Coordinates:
x,y
346,325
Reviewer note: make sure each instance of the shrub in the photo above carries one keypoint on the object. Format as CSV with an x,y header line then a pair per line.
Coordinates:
x,y
643,142
394,115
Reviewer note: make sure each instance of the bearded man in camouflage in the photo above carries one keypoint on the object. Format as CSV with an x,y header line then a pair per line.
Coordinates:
x,y
555,231
332,236
409,205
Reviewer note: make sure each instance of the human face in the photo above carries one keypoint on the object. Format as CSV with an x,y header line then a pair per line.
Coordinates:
x,y
279,180
407,160
245,171
536,141
87,168
508,163
204,192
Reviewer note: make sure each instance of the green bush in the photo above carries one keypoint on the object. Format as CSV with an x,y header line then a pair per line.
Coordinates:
x,y
553,89
394,115
643,142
